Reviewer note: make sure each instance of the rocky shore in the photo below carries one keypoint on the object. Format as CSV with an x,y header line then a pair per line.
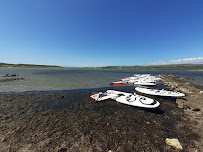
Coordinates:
x,y
192,103
71,121
10,77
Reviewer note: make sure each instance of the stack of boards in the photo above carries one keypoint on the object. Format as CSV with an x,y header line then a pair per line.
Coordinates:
x,y
135,99
139,79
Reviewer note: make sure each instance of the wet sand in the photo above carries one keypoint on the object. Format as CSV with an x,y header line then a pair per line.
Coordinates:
x,y
71,121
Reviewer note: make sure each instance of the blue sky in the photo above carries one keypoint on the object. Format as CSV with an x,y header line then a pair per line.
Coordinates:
x,y
100,32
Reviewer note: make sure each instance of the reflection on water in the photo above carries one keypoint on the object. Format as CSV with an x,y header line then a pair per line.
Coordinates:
x,y
66,79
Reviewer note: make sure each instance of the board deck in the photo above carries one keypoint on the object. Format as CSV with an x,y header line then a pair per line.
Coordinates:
x,y
117,83
138,101
159,92
101,96
127,98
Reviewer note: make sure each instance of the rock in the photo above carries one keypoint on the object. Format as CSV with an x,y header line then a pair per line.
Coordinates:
x,y
201,92
62,150
10,75
174,143
183,104
193,96
11,79
26,148
187,83
194,107
180,103
184,90
44,142
61,97
2,138
62,147
171,75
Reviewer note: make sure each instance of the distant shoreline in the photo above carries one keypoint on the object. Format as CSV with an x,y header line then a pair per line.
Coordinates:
x,y
26,65
197,70
191,67
160,67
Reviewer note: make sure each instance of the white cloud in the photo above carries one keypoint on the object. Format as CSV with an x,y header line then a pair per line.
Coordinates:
x,y
198,60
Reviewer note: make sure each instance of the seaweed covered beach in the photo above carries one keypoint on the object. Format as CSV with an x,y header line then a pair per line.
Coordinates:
x,y
72,121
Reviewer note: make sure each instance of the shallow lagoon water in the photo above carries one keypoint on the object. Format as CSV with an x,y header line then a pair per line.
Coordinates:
x,y
40,79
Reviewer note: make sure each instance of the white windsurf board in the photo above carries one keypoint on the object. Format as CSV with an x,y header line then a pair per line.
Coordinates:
x,y
159,92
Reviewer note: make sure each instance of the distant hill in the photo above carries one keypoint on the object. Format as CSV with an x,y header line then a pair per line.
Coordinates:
x,y
154,67
170,66
24,65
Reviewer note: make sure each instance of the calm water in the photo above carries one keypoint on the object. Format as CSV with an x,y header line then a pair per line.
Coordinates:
x,y
39,79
